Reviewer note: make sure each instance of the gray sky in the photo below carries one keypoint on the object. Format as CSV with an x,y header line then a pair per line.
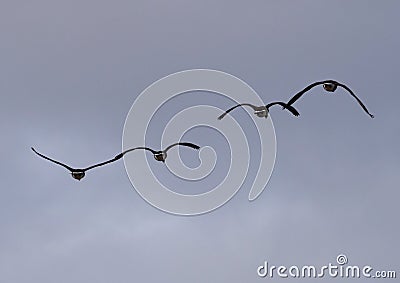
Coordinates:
x,y
69,73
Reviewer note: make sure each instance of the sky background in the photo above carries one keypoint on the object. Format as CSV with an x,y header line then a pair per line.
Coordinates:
x,y
69,73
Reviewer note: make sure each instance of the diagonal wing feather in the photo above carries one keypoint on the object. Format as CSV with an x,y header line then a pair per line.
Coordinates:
x,y
285,106
119,156
188,144
239,105
300,93
356,98
52,160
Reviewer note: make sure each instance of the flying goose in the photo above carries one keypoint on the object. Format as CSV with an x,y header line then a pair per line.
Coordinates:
x,y
79,173
161,155
262,111
330,86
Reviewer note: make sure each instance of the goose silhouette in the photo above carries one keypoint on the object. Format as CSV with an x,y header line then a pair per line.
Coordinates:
x,y
330,86
79,173
262,111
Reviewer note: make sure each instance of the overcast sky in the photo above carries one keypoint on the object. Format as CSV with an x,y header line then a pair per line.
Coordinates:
x,y
69,73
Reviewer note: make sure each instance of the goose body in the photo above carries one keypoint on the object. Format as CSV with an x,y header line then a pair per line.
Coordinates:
x,y
330,86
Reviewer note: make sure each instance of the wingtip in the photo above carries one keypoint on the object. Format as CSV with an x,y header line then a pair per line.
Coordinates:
x,y
222,116
297,114
194,146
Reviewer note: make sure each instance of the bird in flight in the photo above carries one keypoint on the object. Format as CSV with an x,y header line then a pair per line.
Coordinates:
x,y
262,111
79,173
330,86
161,155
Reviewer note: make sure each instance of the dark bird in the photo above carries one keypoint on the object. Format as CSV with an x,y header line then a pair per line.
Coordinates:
x,y
262,111
79,173
330,86
161,155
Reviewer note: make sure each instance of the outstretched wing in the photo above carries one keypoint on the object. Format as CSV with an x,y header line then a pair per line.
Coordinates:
x,y
307,88
285,106
358,100
140,147
188,144
239,105
52,160
119,156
